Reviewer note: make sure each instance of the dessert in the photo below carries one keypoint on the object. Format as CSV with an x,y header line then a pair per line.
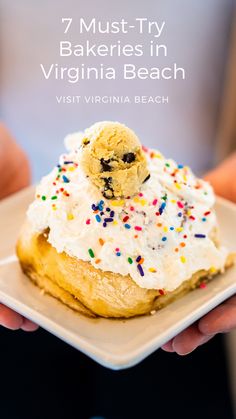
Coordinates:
x,y
126,249
113,159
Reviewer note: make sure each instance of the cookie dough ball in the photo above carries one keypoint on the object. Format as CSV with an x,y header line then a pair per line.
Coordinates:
x,y
112,157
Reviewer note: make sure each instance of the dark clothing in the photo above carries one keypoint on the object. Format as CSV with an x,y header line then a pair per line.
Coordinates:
x,y
44,378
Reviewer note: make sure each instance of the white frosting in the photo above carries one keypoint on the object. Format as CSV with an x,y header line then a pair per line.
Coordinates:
x,y
170,251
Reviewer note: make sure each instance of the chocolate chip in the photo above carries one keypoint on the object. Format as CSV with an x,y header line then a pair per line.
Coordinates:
x,y
105,165
107,181
128,157
148,177
108,191
86,141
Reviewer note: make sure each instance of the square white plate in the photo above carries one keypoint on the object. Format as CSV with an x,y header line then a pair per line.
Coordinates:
x,y
115,344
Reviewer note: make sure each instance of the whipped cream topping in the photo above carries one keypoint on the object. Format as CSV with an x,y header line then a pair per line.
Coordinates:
x,y
160,237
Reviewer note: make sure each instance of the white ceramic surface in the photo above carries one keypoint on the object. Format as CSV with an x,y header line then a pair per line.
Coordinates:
x,y
116,344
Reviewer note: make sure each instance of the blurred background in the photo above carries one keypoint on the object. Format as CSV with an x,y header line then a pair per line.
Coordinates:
x,y
197,126
196,34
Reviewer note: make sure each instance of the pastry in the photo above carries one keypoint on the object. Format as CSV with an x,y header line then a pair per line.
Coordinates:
x,y
124,253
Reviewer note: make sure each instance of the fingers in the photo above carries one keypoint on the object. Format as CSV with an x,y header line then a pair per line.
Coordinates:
x,y
14,321
29,326
10,319
221,319
168,346
187,341
231,301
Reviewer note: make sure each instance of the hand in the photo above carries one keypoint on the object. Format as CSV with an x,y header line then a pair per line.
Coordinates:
x,y
14,165
14,175
223,318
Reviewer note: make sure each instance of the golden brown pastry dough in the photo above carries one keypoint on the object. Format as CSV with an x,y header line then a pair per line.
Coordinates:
x,y
88,290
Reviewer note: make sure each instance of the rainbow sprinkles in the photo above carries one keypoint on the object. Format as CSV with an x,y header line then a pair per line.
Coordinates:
x,y
153,236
